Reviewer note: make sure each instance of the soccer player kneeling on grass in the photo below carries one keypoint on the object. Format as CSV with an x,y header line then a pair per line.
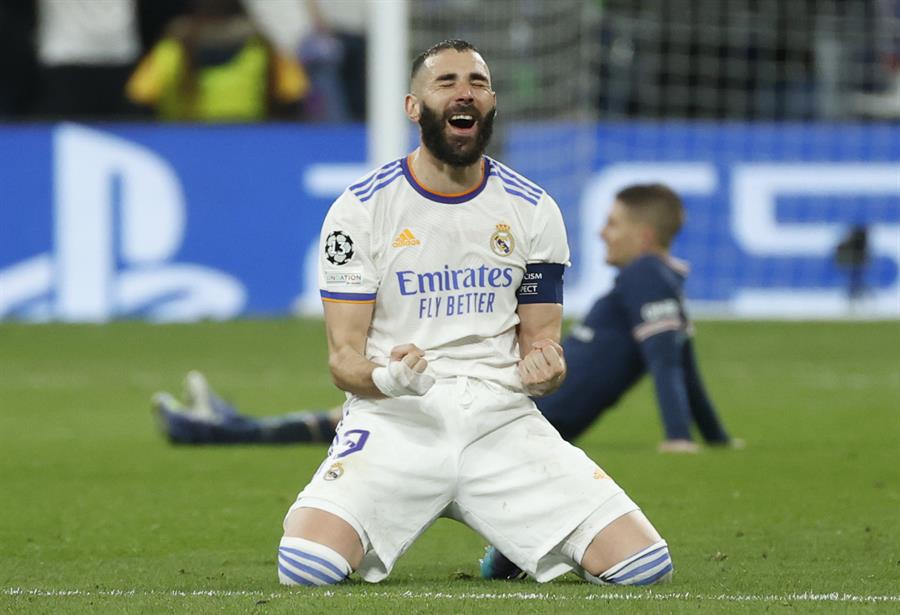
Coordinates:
x,y
441,278
640,326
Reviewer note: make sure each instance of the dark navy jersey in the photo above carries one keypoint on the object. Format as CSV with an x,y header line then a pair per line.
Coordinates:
x,y
640,326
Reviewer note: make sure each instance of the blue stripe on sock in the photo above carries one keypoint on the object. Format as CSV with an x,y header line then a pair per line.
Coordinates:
x,y
315,558
656,577
310,570
642,568
294,576
644,556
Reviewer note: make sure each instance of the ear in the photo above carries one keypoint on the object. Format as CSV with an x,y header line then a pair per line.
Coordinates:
x,y
412,107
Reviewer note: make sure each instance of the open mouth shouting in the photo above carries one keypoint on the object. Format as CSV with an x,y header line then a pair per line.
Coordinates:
x,y
463,124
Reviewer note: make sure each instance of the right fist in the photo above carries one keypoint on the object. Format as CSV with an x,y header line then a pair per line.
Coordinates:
x,y
404,374
412,355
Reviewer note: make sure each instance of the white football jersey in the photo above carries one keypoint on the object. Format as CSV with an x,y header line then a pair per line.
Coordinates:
x,y
442,270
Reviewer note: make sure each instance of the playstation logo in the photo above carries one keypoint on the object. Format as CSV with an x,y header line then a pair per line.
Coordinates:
x,y
118,220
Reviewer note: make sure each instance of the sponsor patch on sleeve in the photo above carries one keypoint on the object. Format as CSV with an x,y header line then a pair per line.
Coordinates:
x,y
660,310
542,283
343,278
658,317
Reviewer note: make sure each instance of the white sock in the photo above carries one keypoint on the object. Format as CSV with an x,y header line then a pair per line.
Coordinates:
x,y
651,565
303,562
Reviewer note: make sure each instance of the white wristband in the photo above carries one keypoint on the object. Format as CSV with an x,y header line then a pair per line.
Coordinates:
x,y
398,379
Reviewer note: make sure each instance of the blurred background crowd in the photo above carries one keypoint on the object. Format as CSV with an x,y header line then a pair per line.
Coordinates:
x,y
183,60
305,60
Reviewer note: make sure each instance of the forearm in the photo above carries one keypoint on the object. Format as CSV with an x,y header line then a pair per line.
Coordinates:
x,y
352,372
672,399
346,326
663,358
529,334
543,366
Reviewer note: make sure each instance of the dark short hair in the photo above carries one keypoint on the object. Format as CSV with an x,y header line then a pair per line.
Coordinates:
x,y
656,205
453,43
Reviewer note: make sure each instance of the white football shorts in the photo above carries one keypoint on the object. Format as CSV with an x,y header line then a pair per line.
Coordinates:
x,y
473,451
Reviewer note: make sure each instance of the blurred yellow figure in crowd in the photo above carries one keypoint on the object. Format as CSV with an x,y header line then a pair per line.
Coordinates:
x,y
213,65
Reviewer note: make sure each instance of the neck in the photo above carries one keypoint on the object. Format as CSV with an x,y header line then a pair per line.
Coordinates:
x,y
440,177
662,253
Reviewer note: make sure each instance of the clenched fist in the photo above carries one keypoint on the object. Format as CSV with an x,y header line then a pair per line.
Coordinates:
x,y
543,369
405,374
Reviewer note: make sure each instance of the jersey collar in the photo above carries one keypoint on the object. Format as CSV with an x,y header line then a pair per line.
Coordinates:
x,y
440,197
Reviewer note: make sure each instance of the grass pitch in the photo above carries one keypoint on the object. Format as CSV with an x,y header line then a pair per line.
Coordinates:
x,y
99,513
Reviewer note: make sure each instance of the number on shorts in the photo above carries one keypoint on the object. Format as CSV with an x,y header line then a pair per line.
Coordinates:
x,y
352,441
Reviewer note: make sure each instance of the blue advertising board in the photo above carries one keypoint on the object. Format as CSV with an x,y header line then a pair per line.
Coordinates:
x,y
188,222
767,204
164,223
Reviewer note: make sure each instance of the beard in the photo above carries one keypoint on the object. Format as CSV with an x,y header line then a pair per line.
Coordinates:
x,y
455,151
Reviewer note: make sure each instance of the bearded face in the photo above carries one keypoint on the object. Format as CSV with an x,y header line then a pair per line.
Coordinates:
x,y
459,135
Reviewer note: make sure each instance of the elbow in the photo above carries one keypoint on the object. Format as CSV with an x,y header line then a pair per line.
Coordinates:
x,y
335,368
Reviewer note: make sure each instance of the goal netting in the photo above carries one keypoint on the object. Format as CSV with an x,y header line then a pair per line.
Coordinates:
x,y
776,119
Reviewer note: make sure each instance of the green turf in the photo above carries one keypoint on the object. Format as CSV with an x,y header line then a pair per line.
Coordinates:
x,y
94,501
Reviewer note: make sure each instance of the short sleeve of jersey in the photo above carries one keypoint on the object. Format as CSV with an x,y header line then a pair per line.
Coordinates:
x,y
548,256
347,273
650,303
548,234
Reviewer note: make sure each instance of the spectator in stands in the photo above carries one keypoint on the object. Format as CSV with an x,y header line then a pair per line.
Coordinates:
x,y
154,17
881,99
86,49
214,65
18,66
329,39
334,51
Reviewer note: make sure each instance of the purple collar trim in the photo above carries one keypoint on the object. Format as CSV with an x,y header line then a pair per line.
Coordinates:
x,y
445,198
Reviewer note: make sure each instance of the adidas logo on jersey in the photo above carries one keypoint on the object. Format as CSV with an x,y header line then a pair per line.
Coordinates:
x,y
405,239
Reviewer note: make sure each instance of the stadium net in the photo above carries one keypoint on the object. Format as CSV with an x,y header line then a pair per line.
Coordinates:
x,y
593,94
719,59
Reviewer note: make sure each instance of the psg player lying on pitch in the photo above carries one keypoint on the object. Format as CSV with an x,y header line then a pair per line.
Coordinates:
x,y
639,327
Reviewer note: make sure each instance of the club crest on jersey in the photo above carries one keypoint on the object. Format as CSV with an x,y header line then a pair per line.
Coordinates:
x,y
502,241
334,472
338,248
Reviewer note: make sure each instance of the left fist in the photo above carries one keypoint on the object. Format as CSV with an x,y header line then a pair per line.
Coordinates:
x,y
543,369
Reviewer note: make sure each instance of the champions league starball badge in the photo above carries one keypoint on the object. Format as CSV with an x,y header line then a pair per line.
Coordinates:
x,y
338,248
502,241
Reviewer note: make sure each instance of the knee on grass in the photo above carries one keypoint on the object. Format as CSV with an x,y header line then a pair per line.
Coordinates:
x,y
646,567
304,562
